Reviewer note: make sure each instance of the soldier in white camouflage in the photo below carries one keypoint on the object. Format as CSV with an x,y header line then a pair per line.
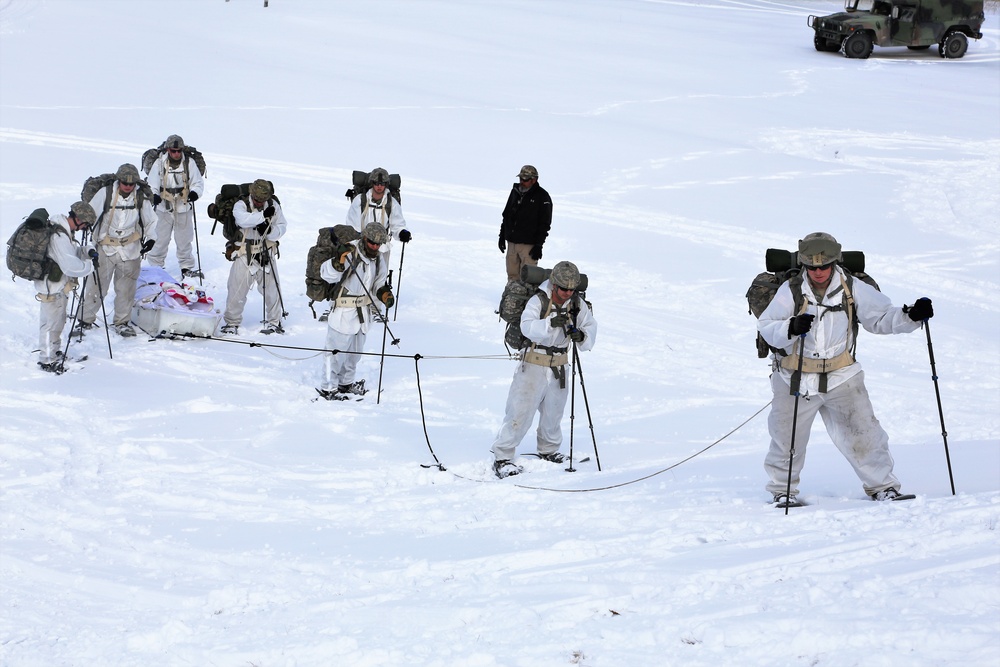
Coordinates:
x,y
177,183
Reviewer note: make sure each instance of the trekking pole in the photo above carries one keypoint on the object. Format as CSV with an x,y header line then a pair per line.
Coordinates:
x,y
572,411
937,392
77,309
381,360
796,382
277,284
402,254
197,245
104,312
586,404
354,268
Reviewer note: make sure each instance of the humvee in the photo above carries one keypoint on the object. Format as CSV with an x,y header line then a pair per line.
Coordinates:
x,y
915,24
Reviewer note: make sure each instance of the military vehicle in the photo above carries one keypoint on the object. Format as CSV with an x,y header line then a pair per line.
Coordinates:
x,y
915,24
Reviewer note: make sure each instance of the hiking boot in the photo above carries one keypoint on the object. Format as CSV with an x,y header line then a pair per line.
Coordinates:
x,y
357,388
192,273
230,329
503,468
887,494
273,329
326,315
82,328
125,330
554,457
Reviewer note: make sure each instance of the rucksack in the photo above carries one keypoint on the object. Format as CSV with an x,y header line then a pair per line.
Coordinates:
x,y
190,153
328,240
782,266
222,209
360,187
516,295
28,248
93,184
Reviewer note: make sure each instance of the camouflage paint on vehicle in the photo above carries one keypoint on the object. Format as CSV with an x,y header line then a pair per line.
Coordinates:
x,y
916,24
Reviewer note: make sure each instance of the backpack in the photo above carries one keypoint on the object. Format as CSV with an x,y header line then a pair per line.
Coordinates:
x,y
190,153
28,248
782,266
360,187
93,184
221,210
516,295
328,240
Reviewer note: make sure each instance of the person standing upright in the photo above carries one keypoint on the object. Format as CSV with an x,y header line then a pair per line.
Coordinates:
x,y
377,205
124,232
177,183
527,218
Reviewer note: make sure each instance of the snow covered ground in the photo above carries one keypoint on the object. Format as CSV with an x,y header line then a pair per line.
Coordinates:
x,y
189,503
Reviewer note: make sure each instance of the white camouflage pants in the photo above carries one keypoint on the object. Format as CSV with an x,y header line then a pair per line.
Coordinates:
x,y
242,276
851,423
534,388
51,322
124,273
340,368
182,228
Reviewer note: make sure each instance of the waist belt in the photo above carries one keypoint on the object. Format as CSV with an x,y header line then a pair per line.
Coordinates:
x,y
174,191
131,238
821,366
352,301
542,359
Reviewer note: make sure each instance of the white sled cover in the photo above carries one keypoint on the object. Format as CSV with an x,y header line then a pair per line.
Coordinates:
x,y
166,305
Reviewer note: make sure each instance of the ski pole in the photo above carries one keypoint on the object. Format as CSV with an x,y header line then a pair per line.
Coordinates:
x,y
796,382
572,411
381,360
354,268
937,393
586,404
197,245
402,254
77,309
104,312
277,283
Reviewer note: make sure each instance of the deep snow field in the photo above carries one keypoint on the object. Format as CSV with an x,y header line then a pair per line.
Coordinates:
x,y
188,502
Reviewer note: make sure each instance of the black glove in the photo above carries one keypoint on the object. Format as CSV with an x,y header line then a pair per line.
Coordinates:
x,y
536,252
920,310
192,196
92,254
576,335
269,211
340,258
147,246
262,229
384,295
405,236
157,199
559,320
800,324
502,245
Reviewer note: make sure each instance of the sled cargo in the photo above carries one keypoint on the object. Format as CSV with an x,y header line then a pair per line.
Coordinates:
x,y
166,305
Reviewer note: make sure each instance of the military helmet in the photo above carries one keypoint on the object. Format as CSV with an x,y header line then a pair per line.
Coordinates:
x,y
175,141
565,275
261,190
127,174
819,249
379,176
83,212
375,233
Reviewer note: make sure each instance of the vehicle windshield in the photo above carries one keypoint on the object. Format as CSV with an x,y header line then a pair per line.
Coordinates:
x,y
859,5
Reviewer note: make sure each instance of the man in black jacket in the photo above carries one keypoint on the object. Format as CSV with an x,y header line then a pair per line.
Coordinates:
x,y
526,221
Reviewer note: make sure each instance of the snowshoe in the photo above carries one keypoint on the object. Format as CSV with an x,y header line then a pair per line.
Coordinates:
x,y
82,328
356,388
125,330
331,395
503,468
554,457
230,329
783,501
272,329
891,494
192,273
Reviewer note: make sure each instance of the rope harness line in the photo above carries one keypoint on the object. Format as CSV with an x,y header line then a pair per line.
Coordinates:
x,y
423,418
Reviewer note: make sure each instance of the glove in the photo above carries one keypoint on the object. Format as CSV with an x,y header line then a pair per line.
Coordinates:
x,y
576,335
502,245
157,199
384,295
262,229
920,310
192,196
340,262
92,254
405,236
800,324
559,321
536,252
269,211
147,246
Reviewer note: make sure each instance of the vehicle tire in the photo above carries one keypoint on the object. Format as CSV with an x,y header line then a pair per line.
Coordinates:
x,y
922,47
954,45
858,45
